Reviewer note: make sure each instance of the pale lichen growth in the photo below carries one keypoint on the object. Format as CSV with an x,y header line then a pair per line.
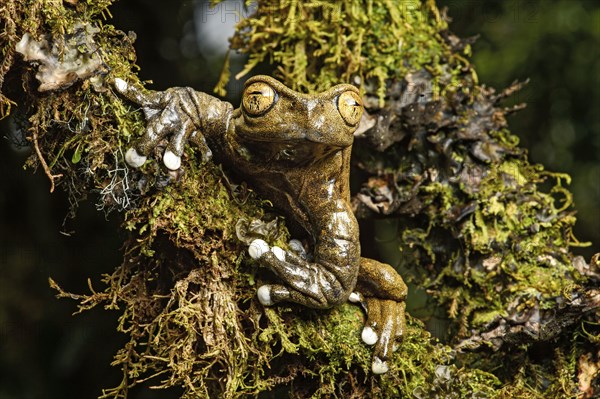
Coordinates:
x,y
65,60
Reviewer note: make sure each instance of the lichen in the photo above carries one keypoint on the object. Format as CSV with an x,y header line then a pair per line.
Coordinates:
x,y
61,64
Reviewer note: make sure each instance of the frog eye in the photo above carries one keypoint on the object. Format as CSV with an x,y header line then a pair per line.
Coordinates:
x,y
350,107
258,98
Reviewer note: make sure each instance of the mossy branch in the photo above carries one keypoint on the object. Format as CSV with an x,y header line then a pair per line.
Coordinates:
x,y
475,229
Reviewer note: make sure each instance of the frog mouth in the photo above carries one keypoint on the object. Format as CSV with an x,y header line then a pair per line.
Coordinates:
x,y
299,138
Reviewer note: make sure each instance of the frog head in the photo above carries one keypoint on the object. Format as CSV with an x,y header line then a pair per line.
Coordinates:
x,y
293,125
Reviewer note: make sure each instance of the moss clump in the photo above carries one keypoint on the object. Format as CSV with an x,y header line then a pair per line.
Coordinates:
x,y
317,44
77,134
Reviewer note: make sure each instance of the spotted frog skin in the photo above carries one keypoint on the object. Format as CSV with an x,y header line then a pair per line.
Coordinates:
x,y
294,149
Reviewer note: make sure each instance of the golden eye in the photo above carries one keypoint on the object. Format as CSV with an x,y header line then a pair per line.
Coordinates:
x,y
258,98
350,107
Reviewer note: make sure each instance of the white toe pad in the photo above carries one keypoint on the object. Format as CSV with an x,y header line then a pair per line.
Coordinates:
x,y
257,248
171,161
369,336
264,295
354,297
279,253
120,84
379,366
134,159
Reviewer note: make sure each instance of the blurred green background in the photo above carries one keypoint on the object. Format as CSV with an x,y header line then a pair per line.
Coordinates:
x,y
47,353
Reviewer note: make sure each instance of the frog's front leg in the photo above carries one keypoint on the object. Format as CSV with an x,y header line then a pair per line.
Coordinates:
x,y
180,114
379,290
323,283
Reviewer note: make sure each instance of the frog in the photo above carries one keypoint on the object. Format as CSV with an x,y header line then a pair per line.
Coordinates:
x,y
293,149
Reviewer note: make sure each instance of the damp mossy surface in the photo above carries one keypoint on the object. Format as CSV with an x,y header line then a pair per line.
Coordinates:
x,y
483,231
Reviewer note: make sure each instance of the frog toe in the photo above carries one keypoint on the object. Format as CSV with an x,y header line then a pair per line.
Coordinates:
x,y
199,141
132,93
171,160
369,336
121,85
379,366
279,253
355,297
134,158
264,295
257,248
270,294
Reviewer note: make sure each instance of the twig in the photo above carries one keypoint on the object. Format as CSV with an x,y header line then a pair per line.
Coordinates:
x,y
43,161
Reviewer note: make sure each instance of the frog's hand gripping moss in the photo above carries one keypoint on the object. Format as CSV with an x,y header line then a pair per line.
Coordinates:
x,y
177,114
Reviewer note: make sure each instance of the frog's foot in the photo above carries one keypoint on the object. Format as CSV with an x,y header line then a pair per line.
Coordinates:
x,y
384,328
306,283
169,115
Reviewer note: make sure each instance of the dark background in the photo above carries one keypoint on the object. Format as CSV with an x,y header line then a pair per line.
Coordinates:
x,y
47,353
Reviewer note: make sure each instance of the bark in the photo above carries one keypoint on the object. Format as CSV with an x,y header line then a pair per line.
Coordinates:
x,y
467,211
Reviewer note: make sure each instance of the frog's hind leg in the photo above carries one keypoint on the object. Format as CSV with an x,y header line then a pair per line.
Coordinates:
x,y
381,292
377,279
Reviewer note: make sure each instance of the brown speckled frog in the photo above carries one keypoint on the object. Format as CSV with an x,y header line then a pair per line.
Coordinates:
x,y
294,149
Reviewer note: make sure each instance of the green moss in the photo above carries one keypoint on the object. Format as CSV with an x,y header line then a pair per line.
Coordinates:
x,y
185,288
317,44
